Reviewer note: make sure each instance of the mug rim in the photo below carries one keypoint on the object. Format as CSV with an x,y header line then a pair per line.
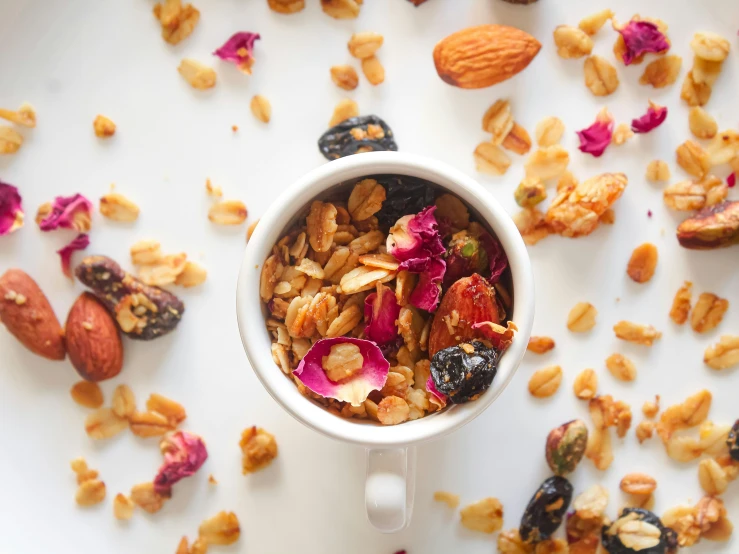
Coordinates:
x,y
256,339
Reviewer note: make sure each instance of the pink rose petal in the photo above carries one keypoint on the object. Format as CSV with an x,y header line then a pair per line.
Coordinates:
x,y
500,337
731,180
80,242
239,50
184,454
427,292
354,390
596,138
380,314
641,37
431,389
11,209
68,212
415,236
654,117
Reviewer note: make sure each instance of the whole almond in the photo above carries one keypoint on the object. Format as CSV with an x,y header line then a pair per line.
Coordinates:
x,y
93,340
27,314
478,57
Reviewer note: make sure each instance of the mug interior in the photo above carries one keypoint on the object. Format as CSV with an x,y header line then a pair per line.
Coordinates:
x,y
323,182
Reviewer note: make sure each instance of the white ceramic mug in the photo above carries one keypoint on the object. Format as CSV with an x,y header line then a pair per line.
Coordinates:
x,y
391,456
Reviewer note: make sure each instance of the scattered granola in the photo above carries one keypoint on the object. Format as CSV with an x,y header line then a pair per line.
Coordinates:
x,y
223,528
146,498
708,312
344,76
485,516
228,212
261,108
572,42
178,21
600,76
581,317
341,9
540,345
10,140
702,124
724,354
258,448
123,507
87,394
642,263
593,23
586,384
621,367
24,116
373,70
549,131
498,121
344,110
621,134
103,126
545,382
491,159
286,6
365,44
198,75
117,207
638,483
662,72
658,171
451,500
637,333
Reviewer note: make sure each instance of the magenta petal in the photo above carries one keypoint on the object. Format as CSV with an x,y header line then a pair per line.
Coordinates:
x,y
11,209
239,49
731,180
380,314
427,291
431,389
654,117
596,138
64,212
415,236
80,242
184,454
371,377
641,37
496,257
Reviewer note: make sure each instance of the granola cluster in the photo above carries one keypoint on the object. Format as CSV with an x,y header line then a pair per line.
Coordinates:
x,y
374,306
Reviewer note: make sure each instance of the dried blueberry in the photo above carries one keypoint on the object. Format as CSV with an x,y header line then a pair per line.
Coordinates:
x,y
366,133
733,441
545,511
465,371
403,195
638,531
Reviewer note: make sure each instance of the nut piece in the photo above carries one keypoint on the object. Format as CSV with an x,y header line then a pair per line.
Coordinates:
x,y
593,23
90,492
344,109
122,507
25,115
261,108
192,275
118,208
702,124
708,312
258,448
581,317
545,382
228,212
478,57
451,500
510,542
365,44
103,126
651,409
662,72
549,131
124,401
146,252
222,528
530,223
572,42
621,367
695,195
321,225
87,394
713,227
565,446
634,332
28,316
341,9
84,473
658,171
586,384
712,477
365,199
146,498
198,75
485,516
710,47
491,159
638,483
498,121
104,424
530,192
178,21
644,431
392,410
344,76
642,263
93,340
540,345
724,354
600,76
693,158
681,303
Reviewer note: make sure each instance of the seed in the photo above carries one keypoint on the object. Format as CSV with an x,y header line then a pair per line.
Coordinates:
x,y
87,394
638,483
545,382
261,108
643,262
344,76
581,317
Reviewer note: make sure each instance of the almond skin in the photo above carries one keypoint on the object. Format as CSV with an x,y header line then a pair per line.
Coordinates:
x,y
27,314
93,340
478,57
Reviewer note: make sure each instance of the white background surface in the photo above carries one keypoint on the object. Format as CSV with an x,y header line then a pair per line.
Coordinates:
x,y
77,58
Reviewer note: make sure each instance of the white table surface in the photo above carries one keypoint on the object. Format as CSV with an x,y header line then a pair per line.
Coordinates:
x,y
74,59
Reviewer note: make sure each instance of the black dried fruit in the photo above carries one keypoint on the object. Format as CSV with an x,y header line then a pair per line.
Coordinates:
x,y
403,196
366,133
733,441
142,312
545,511
649,536
465,371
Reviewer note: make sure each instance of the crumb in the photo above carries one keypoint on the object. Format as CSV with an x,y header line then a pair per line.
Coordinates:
x,y
234,128
212,480
649,213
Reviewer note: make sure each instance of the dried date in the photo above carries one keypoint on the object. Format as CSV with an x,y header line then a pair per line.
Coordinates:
x,y
545,511
366,133
142,312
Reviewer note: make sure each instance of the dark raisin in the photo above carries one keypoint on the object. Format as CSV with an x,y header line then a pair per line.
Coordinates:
x,y
652,538
462,375
366,133
403,195
733,441
545,511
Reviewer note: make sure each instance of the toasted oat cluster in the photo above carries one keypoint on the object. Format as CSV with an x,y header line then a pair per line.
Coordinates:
x,y
388,301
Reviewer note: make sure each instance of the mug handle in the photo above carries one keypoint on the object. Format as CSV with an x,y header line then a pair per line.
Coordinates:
x,y
390,487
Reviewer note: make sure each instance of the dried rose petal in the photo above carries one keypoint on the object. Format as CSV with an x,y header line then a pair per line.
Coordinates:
x,y
371,376
501,337
380,313
431,388
68,212
641,37
184,454
11,210
239,49
415,236
427,291
654,117
731,180
596,138
80,242
496,256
